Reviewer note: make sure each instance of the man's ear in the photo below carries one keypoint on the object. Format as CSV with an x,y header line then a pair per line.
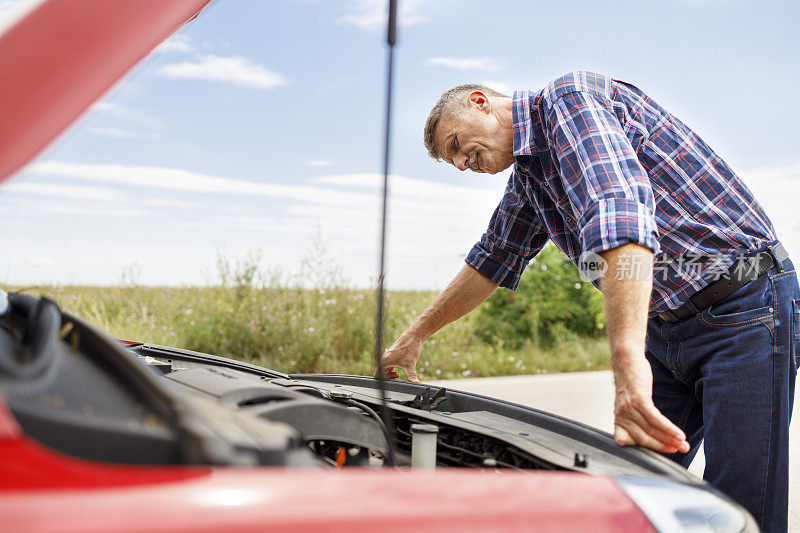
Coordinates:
x,y
480,101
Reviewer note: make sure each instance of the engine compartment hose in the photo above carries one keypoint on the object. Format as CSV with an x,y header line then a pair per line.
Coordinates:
x,y
41,320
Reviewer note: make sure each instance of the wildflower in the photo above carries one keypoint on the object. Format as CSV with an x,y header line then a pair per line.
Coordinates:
x,y
466,372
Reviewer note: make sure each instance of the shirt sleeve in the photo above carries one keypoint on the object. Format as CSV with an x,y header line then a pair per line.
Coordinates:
x,y
514,236
608,188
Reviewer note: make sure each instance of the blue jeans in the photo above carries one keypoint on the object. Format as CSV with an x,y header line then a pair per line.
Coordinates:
x,y
727,376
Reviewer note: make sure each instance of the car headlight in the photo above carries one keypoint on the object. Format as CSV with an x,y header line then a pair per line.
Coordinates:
x,y
677,507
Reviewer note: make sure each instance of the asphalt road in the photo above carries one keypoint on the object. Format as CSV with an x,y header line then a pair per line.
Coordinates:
x,y
587,397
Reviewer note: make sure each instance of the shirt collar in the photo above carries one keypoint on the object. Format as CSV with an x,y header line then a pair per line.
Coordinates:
x,y
526,123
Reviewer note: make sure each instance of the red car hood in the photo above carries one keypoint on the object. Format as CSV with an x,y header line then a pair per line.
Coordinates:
x,y
261,499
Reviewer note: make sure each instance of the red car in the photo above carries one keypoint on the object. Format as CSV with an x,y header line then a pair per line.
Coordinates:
x,y
101,436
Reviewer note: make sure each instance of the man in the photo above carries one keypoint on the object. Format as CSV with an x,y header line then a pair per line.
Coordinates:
x,y
702,303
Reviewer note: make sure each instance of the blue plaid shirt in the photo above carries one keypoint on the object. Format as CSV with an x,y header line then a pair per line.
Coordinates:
x,y
599,164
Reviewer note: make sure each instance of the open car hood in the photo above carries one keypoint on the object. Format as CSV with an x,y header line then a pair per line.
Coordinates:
x,y
64,55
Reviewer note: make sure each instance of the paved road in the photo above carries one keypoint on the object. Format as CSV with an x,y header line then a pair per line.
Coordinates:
x,y
587,397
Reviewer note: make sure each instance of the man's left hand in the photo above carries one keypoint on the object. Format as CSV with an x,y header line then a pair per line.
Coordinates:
x,y
636,418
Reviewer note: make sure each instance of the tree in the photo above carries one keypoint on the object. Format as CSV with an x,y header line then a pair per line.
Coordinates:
x,y
551,298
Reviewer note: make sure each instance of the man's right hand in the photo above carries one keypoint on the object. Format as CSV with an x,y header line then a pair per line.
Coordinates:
x,y
403,355
467,291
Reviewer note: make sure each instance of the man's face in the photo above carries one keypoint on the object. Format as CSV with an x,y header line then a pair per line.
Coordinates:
x,y
472,138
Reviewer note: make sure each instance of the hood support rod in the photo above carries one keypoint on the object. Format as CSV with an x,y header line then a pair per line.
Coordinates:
x,y
386,415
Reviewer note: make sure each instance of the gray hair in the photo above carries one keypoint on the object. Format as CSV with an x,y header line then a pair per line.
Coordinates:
x,y
445,106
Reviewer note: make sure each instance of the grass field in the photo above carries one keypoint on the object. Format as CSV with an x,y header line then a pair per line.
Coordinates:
x,y
327,329
316,322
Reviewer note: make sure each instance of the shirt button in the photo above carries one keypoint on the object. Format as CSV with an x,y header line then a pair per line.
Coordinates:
x,y
770,309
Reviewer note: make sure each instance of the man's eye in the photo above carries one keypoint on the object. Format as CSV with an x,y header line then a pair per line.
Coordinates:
x,y
454,146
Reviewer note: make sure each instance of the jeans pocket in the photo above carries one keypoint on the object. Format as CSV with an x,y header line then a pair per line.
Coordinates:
x,y
794,344
749,305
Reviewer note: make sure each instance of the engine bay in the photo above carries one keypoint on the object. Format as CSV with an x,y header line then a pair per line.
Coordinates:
x,y
75,389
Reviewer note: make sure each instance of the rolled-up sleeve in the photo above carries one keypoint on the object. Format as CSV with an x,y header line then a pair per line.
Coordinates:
x,y
608,189
514,236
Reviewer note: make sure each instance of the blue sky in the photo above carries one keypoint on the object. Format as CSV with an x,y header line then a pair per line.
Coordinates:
x,y
259,126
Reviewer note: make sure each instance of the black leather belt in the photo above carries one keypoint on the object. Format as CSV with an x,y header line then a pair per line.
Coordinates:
x,y
746,270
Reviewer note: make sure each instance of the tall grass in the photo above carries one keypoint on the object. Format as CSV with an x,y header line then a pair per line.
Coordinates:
x,y
312,322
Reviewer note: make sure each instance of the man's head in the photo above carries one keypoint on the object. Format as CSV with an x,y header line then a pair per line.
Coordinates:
x,y
471,127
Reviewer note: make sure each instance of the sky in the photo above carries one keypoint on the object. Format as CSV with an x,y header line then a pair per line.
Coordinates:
x,y
258,128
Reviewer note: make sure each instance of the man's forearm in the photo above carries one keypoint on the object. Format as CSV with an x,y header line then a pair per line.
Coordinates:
x,y
626,288
468,290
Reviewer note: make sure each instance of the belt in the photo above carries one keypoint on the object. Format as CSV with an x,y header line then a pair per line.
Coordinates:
x,y
746,270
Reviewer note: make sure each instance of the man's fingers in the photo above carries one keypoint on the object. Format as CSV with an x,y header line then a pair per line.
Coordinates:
x,y
666,435
633,430
388,372
660,422
642,438
622,437
648,427
664,429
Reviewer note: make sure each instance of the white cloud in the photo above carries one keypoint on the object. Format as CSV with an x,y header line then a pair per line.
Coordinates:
x,y
102,106
372,15
186,180
82,209
74,192
176,43
232,69
499,86
318,163
174,204
423,192
467,63
432,224
119,133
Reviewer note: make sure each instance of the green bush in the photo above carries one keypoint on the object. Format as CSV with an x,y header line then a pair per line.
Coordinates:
x,y
551,299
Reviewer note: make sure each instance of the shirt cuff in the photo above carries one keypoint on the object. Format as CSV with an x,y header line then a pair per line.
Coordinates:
x,y
612,222
501,266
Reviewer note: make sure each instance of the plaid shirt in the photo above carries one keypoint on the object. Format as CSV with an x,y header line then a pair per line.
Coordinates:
x,y
599,164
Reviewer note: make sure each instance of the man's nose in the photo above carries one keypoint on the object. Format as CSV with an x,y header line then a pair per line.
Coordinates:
x,y
461,162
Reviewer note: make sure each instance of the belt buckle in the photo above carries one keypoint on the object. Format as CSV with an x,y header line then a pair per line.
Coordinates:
x,y
779,254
